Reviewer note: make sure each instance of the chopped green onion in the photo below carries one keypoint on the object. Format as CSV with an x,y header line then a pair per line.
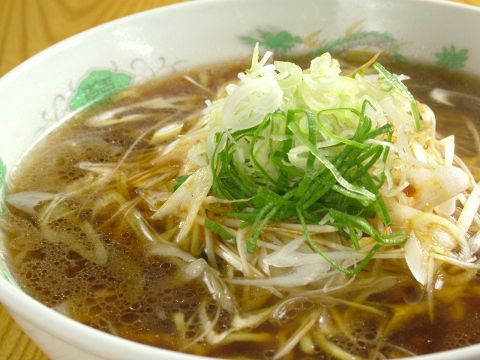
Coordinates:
x,y
219,230
260,222
353,237
337,138
402,89
362,191
317,248
179,181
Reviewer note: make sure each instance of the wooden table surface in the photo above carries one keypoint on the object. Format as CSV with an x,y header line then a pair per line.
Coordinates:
x,y
28,26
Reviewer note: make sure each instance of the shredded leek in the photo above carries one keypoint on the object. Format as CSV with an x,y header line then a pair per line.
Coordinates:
x,y
3,186
301,145
402,89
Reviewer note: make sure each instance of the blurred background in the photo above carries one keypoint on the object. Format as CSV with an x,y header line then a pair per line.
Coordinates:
x,y
27,27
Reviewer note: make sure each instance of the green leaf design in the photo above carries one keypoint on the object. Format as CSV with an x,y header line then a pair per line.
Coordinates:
x,y
99,86
451,58
363,40
3,186
282,41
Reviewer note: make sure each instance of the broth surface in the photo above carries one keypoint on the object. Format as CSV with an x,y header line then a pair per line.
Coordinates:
x,y
145,296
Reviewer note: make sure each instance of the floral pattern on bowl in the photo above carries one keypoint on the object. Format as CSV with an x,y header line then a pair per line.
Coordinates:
x,y
355,38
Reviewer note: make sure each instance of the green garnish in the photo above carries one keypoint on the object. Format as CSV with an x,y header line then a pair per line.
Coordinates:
x,y
220,230
315,247
336,183
179,181
302,145
402,89
336,174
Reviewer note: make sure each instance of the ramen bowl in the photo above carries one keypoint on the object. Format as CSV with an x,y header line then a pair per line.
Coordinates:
x,y
39,94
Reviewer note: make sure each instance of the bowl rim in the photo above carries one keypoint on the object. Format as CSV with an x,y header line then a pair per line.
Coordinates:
x,y
89,339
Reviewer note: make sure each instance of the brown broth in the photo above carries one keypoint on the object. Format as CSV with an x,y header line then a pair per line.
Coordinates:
x,y
137,296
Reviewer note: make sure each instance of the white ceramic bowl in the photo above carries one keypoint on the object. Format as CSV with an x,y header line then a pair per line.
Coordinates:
x,y
40,93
